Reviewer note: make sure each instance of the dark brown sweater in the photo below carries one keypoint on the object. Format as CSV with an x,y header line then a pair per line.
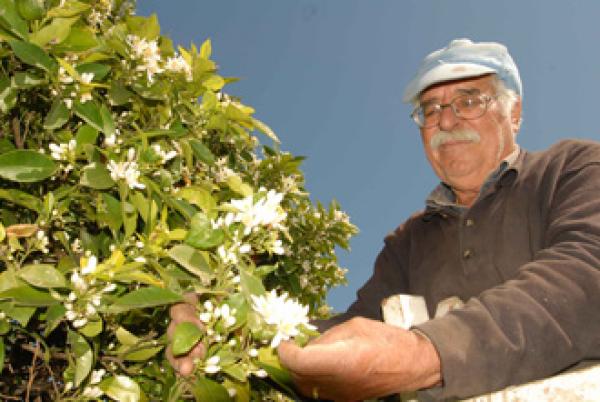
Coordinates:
x,y
525,257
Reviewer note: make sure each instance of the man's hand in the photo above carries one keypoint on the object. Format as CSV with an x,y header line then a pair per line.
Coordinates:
x,y
184,312
362,359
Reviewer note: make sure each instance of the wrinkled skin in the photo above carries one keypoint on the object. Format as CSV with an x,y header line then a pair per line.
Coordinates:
x,y
362,359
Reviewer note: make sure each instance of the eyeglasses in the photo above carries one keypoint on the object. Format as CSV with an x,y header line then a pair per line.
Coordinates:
x,y
466,107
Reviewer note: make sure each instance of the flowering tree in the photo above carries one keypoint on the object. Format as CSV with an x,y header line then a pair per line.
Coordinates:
x,y
128,178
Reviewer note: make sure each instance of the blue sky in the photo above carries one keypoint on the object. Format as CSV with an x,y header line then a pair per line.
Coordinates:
x,y
328,77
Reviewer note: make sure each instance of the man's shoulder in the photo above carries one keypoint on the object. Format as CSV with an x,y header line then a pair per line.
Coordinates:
x,y
402,229
566,154
573,148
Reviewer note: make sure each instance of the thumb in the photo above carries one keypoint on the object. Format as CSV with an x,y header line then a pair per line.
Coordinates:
x,y
288,353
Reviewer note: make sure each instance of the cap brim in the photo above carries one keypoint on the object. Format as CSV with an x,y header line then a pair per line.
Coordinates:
x,y
443,72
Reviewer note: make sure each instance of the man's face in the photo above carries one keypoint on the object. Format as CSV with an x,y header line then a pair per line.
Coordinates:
x,y
465,163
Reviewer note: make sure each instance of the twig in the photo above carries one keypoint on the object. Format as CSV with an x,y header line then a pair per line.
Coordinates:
x,y
9,398
56,355
32,370
16,128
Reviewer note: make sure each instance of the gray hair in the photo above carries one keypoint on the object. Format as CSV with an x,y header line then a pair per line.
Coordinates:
x,y
506,97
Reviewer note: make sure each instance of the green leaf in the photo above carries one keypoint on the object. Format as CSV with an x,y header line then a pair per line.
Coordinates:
x,y
202,235
251,285
144,27
83,356
157,91
108,124
209,390
34,55
55,32
198,196
27,79
186,335
90,113
92,328
21,198
99,70
21,314
125,337
236,372
1,353
111,213
4,326
209,100
28,296
68,9
265,129
80,39
121,388
192,260
118,94
206,49
147,209
8,95
96,176
214,83
236,184
43,276
85,135
26,166
31,9
145,297
142,353
202,152
57,116
54,316
11,20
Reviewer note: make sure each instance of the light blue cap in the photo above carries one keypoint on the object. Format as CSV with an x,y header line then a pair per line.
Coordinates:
x,y
463,58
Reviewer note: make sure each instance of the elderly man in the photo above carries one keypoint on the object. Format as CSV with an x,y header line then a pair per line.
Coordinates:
x,y
513,234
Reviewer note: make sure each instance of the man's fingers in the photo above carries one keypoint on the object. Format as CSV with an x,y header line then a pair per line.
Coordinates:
x,y
313,359
184,365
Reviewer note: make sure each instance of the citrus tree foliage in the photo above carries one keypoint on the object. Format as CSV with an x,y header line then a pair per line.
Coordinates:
x,y
128,178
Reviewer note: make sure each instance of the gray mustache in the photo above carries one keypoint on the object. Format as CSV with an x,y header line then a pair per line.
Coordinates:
x,y
442,137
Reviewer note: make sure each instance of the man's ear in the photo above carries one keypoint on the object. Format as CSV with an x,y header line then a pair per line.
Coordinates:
x,y
515,116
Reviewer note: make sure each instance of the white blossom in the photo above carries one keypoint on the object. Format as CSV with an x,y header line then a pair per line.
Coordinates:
x,y
212,365
164,156
64,77
285,314
90,266
92,392
85,96
179,65
205,317
78,282
266,211
86,78
127,171
63,151
97,375
80,322
148,53
42,241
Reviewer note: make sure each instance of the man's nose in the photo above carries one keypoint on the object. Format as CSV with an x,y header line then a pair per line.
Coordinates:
x,y
448,119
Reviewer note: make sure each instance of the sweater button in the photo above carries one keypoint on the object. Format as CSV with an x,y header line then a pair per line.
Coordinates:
x,y
469,222
467,254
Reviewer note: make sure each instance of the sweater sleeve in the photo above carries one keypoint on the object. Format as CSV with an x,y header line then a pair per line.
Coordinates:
x,y
541,322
